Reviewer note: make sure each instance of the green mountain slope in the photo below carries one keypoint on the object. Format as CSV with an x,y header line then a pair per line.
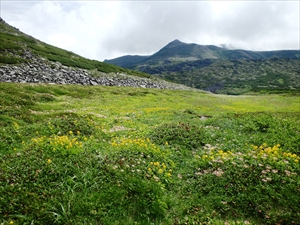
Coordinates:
x,y
14,44
177,51
220,70
233,76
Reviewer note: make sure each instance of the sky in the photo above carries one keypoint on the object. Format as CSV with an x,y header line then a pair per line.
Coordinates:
x,y
108,29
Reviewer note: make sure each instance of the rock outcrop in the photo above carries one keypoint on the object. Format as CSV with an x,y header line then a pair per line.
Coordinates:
x,y
39,70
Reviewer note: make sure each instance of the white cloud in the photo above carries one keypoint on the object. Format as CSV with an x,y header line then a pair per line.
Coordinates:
x,y
108,29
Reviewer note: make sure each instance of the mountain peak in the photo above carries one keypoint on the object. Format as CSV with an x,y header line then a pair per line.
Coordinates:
x,y
174,43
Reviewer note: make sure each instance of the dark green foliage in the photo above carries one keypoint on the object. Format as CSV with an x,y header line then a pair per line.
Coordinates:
x,y
11,60
65,122
13,42
183,134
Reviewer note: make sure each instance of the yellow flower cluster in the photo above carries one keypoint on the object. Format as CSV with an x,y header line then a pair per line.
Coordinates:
x,y
220,154
39,139
261,152
143,145
265,150
16,125
64,142
159,169
274,152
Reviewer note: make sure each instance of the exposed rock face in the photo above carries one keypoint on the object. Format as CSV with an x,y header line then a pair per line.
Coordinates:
x,y
40,70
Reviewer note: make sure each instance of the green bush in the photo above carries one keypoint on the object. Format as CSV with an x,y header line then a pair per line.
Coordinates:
x,y
182,134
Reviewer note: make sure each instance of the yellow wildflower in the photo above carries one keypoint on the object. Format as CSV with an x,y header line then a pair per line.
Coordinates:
x,y
49,161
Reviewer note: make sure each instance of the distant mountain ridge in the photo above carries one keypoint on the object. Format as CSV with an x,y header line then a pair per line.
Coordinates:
x,y
219,70
179,51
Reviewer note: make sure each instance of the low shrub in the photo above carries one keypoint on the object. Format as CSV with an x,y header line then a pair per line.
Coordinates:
x,y
182,134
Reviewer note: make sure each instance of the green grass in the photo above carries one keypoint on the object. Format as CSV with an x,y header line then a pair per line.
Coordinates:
x,y
74,154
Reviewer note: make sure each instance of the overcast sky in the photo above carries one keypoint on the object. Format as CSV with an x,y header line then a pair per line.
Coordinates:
x,y
108,29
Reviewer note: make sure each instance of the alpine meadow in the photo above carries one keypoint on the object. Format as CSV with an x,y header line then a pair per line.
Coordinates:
x,y
128,154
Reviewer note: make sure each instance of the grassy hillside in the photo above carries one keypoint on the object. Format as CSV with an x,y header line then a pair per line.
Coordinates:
x,y
110,155
14,44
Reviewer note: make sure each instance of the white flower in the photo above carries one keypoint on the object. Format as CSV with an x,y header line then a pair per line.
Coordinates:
x,y
288,173
218,172
268,178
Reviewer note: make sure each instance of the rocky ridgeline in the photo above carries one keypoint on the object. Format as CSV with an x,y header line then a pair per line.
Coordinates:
x,y
40,70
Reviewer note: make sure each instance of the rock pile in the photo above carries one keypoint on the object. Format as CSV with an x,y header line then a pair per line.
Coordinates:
x,y
40,70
